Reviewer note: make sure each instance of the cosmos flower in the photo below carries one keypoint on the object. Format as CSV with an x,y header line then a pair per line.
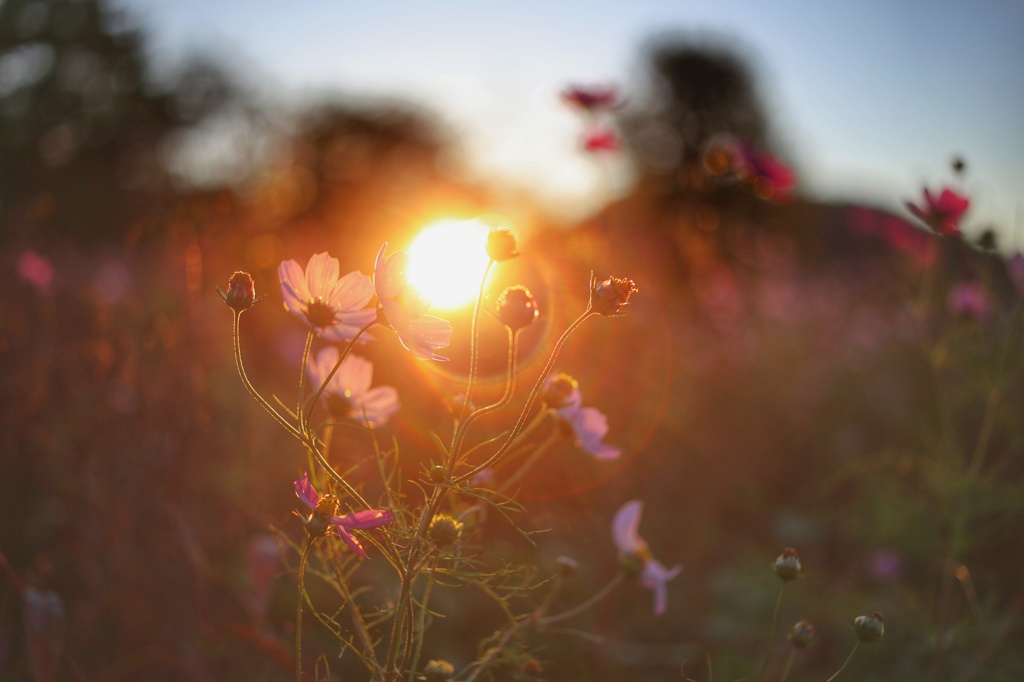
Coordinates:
x,y
348,393
588,425
601,140
324,519
335,307
634,553
770,177
942,215
591,98
401,308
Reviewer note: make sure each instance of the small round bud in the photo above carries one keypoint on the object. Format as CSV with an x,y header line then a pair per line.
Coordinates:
x,y
869,628
517,307
444,530
612,295
566,566
501,244
561,391
241,293
437,473
787,566
438,671
531,669
802,634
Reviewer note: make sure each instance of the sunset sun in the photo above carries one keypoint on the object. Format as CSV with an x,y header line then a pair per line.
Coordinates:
x,y
447,261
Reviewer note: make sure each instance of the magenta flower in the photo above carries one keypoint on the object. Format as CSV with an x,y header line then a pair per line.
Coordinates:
x,y
634,553
770,177
404,310
968,299
601,140
588,425
324,519
942,215
348,393
591,98
335,307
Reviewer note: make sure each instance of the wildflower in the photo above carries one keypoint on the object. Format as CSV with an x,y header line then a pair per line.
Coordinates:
x,y
241,293
942,215
587,425
335,307
969,300
601,140
348,393
869,628
444,530
770,177
438,671
802,634
612,295
402,309
787,565
517,308
591,98
501,244
324,519
633,551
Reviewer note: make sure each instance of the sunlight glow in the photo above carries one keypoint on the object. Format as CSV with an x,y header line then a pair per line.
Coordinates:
x,y
447,261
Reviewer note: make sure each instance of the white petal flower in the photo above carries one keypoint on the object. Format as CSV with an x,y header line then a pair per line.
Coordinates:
x,y
349,392
334,307
632,548
404,309
588,424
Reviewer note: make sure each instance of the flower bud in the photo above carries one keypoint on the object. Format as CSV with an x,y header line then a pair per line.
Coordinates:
x,y
501,244
531,669
787,565
517,308
612,295
802,634
560,391
438,671
437,473
566,566
444,530
241,293
869,628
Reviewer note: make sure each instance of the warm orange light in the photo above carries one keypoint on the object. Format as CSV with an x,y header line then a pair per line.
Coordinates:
x,y
447,261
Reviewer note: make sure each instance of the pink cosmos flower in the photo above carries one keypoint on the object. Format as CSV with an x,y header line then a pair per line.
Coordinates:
x,y
591,98
335,307
348,393
404,310
633,550
324,518
589,425
941,214
968,299
601,140
770,177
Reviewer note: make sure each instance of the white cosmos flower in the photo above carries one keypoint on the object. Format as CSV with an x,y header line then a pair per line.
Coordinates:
x,y
348,393
404,310
633,549
335,307
588,424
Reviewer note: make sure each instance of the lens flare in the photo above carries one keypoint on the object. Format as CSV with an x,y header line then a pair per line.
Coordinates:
x,y
447,261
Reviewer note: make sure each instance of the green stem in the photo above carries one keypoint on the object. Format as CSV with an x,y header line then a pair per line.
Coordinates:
x,y
846,663
528,464
473,357
237,342
334,370
771,636
580,608
298,611
510,382
302,375
422,626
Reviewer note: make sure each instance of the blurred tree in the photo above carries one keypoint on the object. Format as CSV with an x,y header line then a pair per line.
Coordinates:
x,y
81,122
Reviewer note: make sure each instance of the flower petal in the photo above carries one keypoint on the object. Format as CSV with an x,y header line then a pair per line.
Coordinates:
x,y
350,293
293,287
347,325
304,491
424,334
654,577
351,541
321,275
356,376
368,518
625,526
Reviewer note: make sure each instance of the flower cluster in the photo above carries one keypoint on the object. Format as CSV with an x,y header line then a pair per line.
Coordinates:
x,y
597,103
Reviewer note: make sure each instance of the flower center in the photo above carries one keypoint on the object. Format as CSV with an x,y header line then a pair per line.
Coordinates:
x,y
339,405
320,314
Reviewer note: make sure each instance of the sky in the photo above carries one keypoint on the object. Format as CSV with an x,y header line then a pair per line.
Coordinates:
x,y
870,100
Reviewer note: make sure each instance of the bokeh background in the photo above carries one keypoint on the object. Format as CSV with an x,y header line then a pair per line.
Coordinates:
x,y
799,368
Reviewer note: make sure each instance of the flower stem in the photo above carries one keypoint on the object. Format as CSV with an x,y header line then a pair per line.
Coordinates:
x,y
845,663
298,611
422,627
580,608
334,370
771,635
237,342
474,352
789,664
528,464
302,375
510,382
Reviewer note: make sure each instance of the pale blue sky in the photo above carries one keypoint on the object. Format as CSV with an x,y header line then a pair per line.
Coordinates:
x,y
870,99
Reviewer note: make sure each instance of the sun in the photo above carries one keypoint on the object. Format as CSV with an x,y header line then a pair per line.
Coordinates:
x,y
447,261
